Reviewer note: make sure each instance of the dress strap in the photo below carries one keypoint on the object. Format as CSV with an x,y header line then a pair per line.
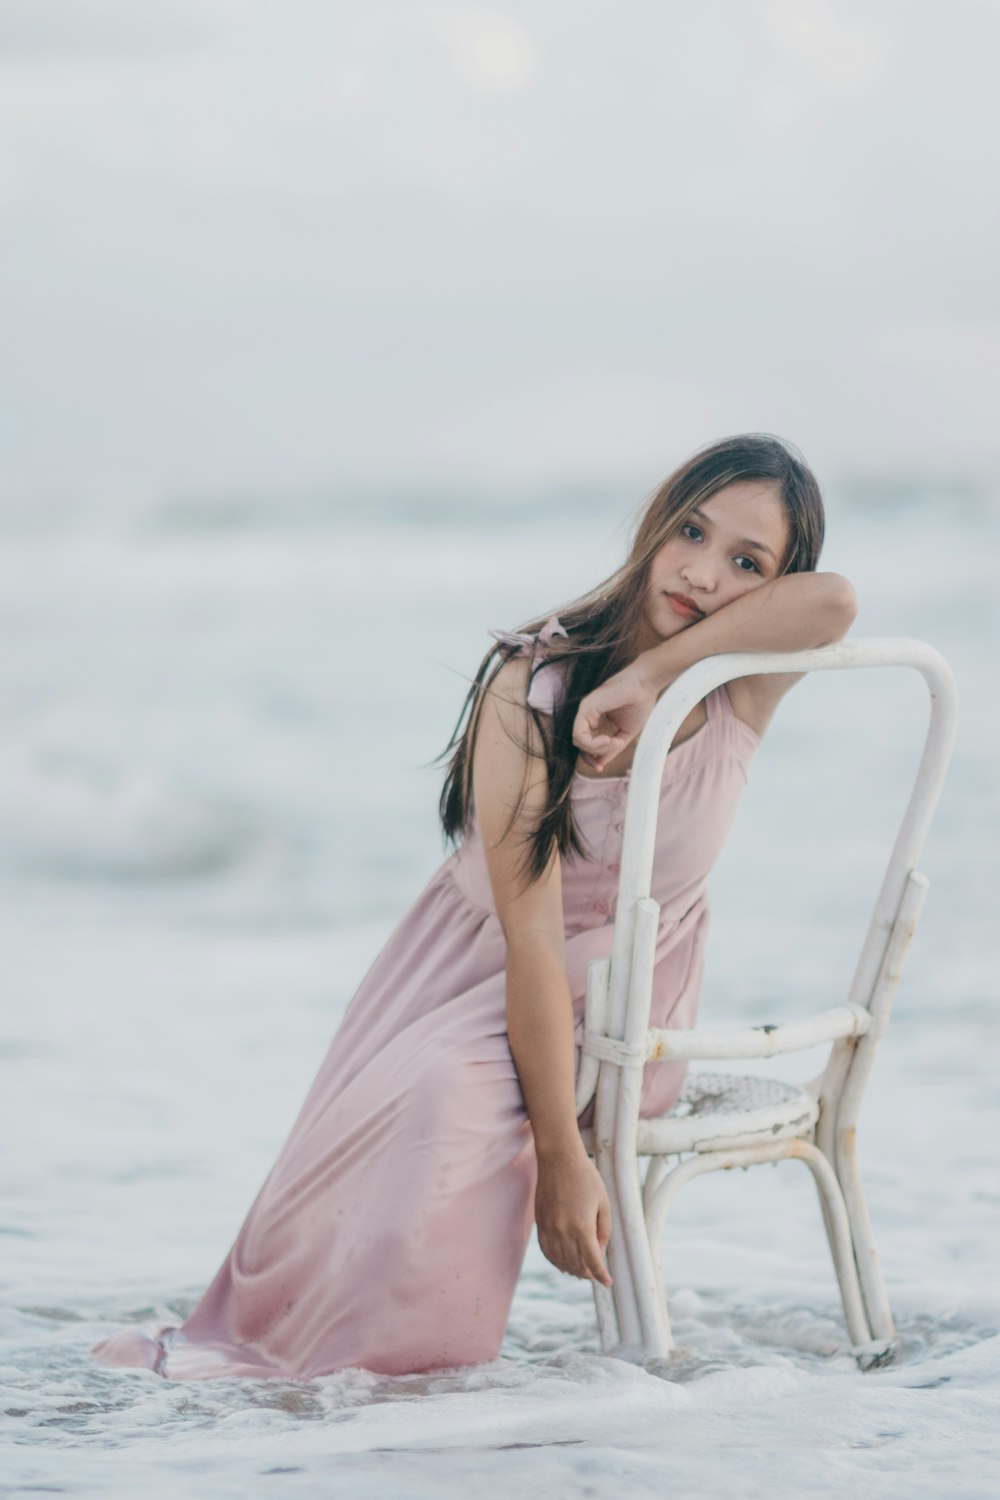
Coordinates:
x,y
528,641
717,703
547,685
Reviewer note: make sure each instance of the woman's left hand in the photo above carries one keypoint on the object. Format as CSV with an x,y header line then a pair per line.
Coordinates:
x,y
609,718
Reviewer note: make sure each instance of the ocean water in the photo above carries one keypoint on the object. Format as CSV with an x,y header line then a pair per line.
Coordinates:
x,y
216,801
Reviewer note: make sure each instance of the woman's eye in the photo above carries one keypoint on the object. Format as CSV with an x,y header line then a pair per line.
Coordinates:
x,y
689,527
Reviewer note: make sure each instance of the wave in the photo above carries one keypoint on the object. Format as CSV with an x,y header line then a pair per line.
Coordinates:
x,y
72,816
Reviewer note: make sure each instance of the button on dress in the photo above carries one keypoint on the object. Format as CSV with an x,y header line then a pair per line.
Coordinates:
x,y
391,1229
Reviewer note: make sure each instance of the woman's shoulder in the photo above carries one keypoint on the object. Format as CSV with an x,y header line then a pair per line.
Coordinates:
x,y
532,670
510,679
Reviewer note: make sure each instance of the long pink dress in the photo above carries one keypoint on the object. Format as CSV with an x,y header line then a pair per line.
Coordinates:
x,y
390,1231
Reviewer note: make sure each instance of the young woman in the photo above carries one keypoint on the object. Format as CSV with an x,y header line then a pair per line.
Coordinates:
x,y
391,1230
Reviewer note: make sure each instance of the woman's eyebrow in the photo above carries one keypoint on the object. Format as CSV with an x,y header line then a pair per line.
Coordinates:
x,y
743,542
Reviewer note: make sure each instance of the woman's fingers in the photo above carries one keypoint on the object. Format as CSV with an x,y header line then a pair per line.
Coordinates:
x,y
583,1258
603,747
586,738
592,1258
613,713
597,1270
602,736
604,1225
573,1216
593,729
596,1248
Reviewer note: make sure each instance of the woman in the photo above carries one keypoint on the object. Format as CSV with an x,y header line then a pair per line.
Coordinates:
x,y
390,1232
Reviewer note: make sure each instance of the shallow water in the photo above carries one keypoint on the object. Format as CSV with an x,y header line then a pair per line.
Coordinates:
x,y
214,806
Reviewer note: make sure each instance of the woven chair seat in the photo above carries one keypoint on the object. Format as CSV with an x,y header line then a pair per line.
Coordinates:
x,y
719,1110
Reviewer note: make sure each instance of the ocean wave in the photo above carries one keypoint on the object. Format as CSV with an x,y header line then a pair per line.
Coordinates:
x,y
72,816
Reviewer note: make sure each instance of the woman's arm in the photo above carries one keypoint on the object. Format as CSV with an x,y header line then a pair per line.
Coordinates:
x,y
795,612
571,1204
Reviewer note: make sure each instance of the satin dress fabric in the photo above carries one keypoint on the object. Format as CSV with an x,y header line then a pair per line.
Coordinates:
x,y
391,1229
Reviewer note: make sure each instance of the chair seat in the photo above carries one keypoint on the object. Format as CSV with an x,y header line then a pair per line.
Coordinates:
x,y
720,1110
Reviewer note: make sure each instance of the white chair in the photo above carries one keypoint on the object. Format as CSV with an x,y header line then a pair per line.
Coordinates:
x,y
725,1120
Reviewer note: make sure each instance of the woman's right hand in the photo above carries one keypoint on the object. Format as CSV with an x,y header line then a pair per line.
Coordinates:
x,y
610,717
573,1215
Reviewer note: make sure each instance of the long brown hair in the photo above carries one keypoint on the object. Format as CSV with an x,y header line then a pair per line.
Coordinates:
x,y
603,626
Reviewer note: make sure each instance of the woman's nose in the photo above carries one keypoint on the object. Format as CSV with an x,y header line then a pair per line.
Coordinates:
x,y
698,577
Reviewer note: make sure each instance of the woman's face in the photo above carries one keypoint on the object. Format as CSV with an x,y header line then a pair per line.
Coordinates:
x,y
733,543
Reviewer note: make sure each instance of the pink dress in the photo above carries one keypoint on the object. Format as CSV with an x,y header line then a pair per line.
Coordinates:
x,y
390,1231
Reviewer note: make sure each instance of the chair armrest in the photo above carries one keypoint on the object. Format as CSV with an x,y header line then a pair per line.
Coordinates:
x,y
724,1043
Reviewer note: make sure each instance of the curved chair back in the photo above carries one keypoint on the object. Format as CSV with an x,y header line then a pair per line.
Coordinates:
x,y
617,1029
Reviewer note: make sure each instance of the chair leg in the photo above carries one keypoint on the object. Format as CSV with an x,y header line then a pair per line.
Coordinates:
x,y
868,1347
629,1260
655,1174
869,1269
606,1299
617,1310
607,1317
654,1326
661,1188
867,1350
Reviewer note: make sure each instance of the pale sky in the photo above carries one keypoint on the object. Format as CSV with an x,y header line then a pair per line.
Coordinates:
x,y
289,244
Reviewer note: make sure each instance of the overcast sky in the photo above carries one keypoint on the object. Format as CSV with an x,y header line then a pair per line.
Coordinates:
x,y
282,244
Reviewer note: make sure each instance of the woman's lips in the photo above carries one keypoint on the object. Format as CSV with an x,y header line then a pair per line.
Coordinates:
x,y
686,611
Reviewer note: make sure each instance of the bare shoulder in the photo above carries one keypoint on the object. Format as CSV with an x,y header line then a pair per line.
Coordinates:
x,y
510,679
505,693
501,720
510,791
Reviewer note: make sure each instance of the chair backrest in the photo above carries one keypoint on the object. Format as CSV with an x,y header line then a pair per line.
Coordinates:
x,y
619,1010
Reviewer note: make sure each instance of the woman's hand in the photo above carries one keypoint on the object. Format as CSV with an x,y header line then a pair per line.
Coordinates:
x,y
609,718
573,1216
795,612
